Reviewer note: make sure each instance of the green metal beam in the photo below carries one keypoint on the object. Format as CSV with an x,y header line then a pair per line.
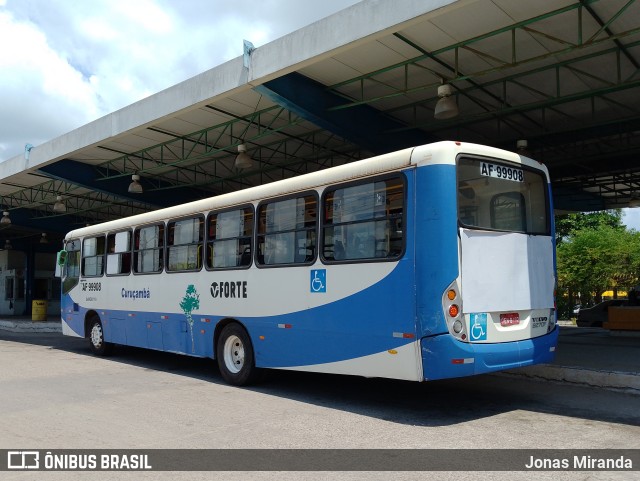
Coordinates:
x,y
550,102
520,75
164,155
566,47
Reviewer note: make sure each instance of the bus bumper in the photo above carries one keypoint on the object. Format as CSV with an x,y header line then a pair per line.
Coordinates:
x,y
444,357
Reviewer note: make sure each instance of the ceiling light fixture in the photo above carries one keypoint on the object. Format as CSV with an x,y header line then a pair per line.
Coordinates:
x,y
243,160
446,108
522,147
135,187
5,218
59,206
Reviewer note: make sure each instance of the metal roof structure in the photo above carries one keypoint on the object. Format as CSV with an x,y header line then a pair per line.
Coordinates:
x,y
562,74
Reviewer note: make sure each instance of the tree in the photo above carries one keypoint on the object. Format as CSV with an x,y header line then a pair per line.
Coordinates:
x,y
567,224
190,302
595,259
586,262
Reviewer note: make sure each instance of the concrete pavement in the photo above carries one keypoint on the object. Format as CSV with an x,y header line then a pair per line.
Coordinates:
x,y
585,356
594,357
25,324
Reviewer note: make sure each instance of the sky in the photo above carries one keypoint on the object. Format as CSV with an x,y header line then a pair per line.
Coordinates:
x,y
631,218
64,63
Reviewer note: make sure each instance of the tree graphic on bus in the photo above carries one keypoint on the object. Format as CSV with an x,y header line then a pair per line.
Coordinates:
x,y
190,302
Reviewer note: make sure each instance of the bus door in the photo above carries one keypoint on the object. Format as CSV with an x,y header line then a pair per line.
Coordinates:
x,y
69,261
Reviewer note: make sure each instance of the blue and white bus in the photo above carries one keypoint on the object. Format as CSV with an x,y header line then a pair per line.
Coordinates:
x,y
427,263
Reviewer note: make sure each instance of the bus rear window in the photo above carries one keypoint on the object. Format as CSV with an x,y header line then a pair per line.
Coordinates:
x,y
502,196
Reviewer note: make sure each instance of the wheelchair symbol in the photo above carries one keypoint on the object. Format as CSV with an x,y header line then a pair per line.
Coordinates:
x,y
478,328
319,280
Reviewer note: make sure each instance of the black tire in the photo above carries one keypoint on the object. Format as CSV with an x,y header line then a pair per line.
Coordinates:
x,y
235,356
96,338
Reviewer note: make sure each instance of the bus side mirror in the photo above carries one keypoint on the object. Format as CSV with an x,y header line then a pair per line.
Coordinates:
x,y
62,258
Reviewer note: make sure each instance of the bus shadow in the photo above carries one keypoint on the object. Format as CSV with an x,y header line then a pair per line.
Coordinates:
x,y
431,404
448,402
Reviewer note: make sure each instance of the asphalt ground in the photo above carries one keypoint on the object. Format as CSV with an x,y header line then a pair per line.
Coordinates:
x,y
585,356
54,394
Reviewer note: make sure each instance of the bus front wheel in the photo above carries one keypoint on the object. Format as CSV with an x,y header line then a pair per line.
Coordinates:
x,y
96,338
235,356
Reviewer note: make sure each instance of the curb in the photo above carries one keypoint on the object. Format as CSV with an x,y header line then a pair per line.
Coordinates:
x,y
621,381
35,326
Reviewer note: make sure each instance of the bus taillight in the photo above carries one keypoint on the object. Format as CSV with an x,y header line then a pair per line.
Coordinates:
x,y
453,311
457,326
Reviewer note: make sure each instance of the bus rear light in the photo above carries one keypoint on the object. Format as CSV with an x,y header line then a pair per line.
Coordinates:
x,y
452,311
404,335
467,360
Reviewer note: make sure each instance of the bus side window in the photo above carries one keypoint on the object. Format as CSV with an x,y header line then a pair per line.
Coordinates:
x,y
364,221
148,254
119,253
287,231
93,251
184,246
230,236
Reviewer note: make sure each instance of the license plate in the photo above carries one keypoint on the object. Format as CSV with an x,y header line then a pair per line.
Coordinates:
x,y
509,319
501,172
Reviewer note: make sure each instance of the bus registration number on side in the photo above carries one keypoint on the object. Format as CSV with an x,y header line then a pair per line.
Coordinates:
x,y
501,172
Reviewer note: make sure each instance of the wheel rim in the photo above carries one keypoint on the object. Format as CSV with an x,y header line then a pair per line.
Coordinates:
x,y
234,354
96,335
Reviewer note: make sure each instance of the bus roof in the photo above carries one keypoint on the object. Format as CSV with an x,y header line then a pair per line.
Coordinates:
x,y
361,168
438,153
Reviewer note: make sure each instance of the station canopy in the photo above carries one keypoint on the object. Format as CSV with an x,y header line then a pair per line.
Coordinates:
x,y
562,75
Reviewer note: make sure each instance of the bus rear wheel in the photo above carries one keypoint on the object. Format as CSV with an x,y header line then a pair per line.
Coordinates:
x,y
96,338
235,356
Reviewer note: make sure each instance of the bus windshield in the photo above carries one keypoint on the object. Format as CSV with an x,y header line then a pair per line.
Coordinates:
x,y
502,196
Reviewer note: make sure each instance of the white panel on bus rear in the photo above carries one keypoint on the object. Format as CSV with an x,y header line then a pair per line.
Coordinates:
x,y
506,271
